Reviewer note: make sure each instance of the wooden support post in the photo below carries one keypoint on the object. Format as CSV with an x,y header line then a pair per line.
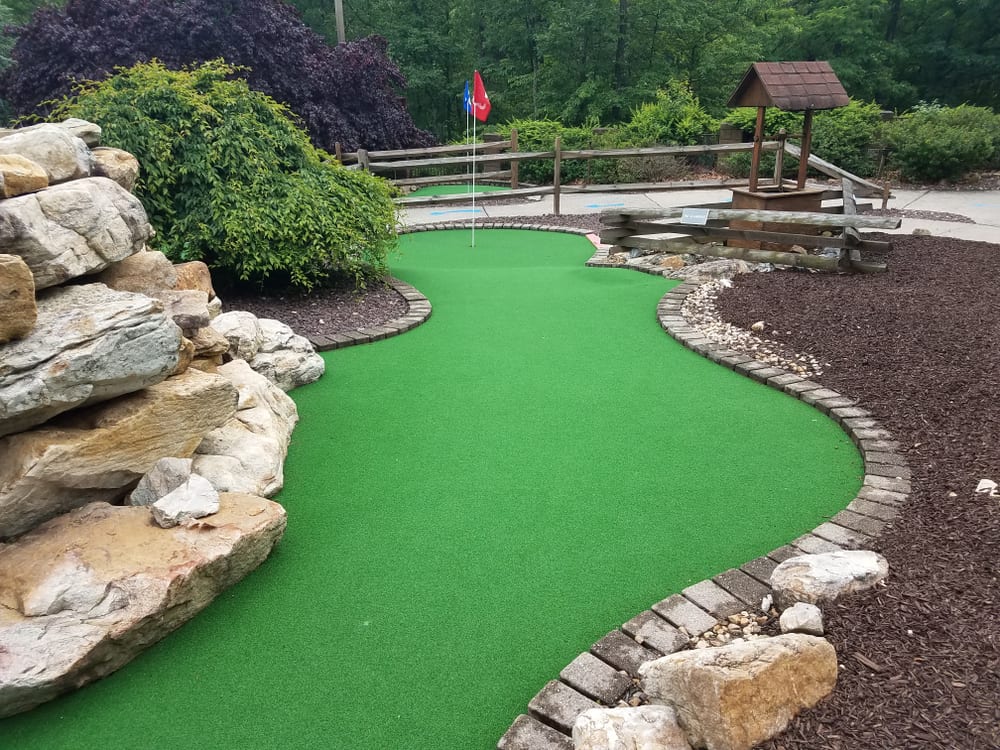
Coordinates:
x,y
338,152
806,146
758,139
556,175
363,160
885,195
779,157
514,165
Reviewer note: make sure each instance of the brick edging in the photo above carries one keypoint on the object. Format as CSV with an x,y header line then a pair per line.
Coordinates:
x,y
604,674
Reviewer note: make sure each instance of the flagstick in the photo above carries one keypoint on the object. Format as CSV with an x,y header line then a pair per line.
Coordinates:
x,y
474,177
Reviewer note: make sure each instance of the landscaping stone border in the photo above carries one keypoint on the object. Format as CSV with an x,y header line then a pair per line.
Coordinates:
x,y
418,310
604,675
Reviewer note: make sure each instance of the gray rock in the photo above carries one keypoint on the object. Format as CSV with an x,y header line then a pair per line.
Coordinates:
x,y
734,697
285,358
61,154
195,498
247,454
242,330
640,728
166,476
89,344
802,618
73,229
188,308
724,268
821,578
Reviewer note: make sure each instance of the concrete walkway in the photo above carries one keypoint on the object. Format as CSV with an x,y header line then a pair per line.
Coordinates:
x,y
982,206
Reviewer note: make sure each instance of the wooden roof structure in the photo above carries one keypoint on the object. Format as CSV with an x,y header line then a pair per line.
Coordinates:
x,y
796,86
804,86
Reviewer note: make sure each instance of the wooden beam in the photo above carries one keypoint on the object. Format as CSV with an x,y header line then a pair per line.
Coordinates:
x,y
834,171
797,260
457,148
758,139
666,150
462,160
514,165
445,179
806,145
819,219
431,200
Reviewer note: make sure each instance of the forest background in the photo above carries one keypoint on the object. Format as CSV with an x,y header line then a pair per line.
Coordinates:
x,y
583,62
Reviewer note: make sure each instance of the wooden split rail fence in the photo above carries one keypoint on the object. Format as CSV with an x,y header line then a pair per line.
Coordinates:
x,y
498,161
672,230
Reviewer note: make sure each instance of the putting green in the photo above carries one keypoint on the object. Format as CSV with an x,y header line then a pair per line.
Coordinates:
x,y
455,190
470,506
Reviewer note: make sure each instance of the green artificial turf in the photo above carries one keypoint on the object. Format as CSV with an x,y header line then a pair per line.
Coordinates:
x,y
471,505
455,190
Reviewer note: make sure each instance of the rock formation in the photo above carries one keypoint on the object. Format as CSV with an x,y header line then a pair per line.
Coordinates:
x,y
115,388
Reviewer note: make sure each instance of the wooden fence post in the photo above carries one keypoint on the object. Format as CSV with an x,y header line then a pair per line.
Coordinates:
x,y
363,160
556,176
514,165
338,152
806,147
779,158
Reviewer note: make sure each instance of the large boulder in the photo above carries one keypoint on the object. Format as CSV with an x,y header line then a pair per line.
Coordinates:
x,y
640,728
734,697
89,344
825,577
242,330
73,229
57,150
18,311
101,453
247,454
85,593
20,175
285,358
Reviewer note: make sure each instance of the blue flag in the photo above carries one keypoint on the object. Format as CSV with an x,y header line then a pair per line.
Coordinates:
x,y
468,99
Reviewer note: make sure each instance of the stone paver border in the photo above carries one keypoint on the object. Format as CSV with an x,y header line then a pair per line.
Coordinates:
x,y
605,674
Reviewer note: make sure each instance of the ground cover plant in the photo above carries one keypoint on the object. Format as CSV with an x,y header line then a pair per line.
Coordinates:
x,y
227,178
474,504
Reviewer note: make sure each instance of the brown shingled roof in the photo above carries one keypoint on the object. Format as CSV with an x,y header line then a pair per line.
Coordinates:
x,y
790,86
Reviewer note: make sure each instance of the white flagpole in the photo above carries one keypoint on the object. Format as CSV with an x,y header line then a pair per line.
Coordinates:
x,y
474,173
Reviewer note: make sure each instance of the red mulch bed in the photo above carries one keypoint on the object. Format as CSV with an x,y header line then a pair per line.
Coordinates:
x,y
920,347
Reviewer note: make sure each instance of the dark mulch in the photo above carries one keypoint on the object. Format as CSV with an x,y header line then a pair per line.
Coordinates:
x,y
920,347
327,310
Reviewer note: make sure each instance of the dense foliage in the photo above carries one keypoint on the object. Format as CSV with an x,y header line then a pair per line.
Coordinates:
x,y
577,60
675,118
935,143
228,178
347,93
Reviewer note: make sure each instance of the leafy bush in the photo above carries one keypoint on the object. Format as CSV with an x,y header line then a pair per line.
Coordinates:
x,y
346,94
675,118
841,136
844,135
934,143
227,178
540,135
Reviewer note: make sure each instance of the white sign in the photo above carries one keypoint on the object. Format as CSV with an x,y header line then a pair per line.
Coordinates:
x,y
694,216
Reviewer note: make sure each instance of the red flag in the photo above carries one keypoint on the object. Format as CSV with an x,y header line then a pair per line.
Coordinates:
x,y
480,102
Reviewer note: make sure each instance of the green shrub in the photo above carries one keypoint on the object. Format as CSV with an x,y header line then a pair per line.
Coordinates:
x,y
675,118
227,178
540,135
934,143
842,136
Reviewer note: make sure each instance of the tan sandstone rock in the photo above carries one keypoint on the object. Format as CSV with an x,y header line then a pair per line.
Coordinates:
x,y
85,593
20,175
194,275
734,697
57,150
146,272
18,311
101,452
116,165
